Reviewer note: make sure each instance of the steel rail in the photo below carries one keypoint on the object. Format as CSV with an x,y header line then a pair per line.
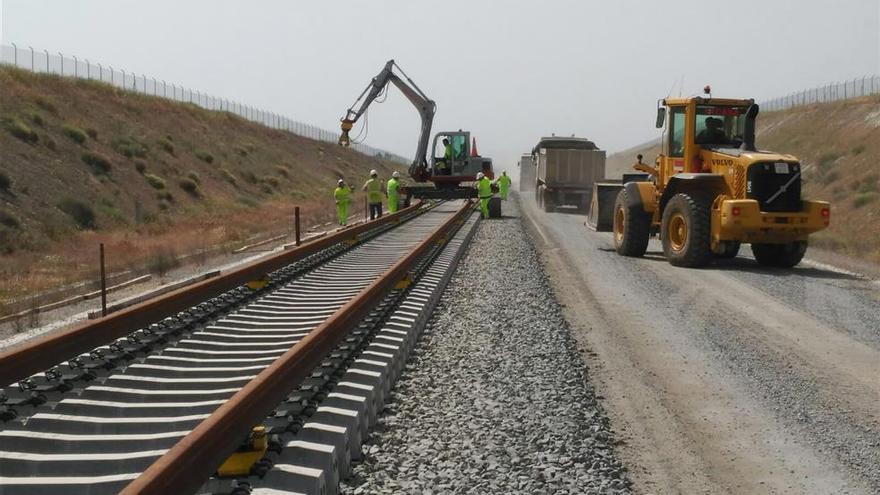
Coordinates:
x,y
192,460
48,351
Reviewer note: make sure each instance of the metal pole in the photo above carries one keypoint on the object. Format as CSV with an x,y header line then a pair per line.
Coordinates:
x,y
15,54
296,224
75,66
103,284
47,60
32,59
62,63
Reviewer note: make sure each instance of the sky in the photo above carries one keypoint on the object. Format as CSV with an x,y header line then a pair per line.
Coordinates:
x,y
508,71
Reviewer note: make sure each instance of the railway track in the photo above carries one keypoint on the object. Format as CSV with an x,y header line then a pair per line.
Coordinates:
x,y
308,352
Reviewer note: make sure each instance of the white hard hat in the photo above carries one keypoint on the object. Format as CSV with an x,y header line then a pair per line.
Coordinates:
x,y
340,182
480,175
396,174
373,172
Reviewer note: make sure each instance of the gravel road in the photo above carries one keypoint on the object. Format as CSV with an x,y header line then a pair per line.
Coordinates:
x,y
729,379
497,397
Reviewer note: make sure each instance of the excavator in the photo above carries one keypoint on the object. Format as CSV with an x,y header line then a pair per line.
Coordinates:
x,y
447,171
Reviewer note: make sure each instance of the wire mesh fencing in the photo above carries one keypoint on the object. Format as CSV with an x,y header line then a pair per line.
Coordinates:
x,y
854,88
43,61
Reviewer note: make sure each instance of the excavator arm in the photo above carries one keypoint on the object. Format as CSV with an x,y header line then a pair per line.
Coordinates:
x,y
425,106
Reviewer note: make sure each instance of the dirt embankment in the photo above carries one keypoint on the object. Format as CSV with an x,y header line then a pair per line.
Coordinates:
x,y
83,163
839,146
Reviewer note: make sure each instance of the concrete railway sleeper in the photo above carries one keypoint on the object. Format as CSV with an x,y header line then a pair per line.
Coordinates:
x,y
140,397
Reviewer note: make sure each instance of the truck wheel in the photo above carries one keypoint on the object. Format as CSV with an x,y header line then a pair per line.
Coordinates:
x,y
729,250
686,230
546,202
632,227
780,255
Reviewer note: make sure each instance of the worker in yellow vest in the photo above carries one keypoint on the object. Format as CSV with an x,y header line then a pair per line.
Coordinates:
x,y
504,185
342,195
393,192
484,192
374,188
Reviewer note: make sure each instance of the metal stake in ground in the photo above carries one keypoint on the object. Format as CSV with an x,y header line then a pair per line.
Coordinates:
x,y
103,284
296,224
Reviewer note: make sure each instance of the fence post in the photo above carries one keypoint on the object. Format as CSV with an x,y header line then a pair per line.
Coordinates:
x,y
62,62
103,284
15,54
47,61
296,224
75,66
32,59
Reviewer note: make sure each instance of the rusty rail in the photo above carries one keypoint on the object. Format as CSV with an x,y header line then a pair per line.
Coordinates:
x,y
43,353
192,460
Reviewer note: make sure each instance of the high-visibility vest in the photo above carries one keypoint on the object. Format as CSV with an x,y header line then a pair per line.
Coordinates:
x,y
342,195
504,182
374,191
393,187
448,153
484,188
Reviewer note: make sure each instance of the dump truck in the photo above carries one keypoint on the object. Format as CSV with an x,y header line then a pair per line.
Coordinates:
x,y
711,190
566,168
527,173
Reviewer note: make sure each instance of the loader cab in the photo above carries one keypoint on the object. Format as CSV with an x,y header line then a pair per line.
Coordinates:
x,y
696,124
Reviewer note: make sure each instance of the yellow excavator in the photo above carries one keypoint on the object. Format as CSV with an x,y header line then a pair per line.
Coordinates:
x,y
711,190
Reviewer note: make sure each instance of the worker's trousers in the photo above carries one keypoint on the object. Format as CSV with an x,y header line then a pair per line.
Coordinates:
x,y
375,210
342,212
484,206
393,202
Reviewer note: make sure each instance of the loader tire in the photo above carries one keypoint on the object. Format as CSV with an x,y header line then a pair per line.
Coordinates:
x,y
729,250
686,230
779,255
632,227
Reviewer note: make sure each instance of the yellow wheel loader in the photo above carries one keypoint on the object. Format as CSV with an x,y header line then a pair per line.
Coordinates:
x,y
711,190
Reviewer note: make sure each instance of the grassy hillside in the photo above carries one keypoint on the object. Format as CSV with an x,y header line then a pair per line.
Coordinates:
x,y
839,146
82,163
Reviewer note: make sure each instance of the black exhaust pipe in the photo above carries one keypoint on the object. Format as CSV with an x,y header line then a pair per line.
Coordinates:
x,y
749,131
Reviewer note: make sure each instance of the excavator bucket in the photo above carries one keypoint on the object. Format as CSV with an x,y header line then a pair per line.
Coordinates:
x,y
346,126
601,215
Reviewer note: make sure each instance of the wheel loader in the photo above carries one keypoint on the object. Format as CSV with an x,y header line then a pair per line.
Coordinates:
x,y
711,190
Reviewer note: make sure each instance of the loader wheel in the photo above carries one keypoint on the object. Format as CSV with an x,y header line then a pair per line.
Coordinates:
x,y
729,250
780,255
632,227
686,230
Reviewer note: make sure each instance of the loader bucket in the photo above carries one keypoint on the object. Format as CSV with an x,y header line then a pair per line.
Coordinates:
x,y
601,215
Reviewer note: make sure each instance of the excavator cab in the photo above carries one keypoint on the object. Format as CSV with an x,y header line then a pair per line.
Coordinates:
x,y
457,164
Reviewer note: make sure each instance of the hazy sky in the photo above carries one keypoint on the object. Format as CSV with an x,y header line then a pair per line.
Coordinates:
x,y
508,71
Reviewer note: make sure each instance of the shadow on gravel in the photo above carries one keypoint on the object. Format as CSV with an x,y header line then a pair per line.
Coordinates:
x,y
749,265
570,211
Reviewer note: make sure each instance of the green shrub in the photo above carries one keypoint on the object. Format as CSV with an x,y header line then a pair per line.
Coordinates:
x,y
282,171
81,213
194,176
249,176
129,148
859,149
5,181
164,205
828,159
100,164
863,199
20,130
163,260
868,185
155,181
9,220
49,142
92,133
271,181
74,133
228,176
46,105
204,156
167,146
37,119
165,196
830,177
140,166
190,187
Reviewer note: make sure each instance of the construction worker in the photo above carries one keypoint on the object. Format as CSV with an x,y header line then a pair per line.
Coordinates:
x,y
443,167
374,188
393,192
504,185
342,195
484,192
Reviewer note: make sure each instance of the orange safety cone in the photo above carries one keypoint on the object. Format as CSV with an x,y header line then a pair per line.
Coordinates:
x,y
474,148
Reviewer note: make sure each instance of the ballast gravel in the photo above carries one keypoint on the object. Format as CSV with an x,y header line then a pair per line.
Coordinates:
x,y
496,398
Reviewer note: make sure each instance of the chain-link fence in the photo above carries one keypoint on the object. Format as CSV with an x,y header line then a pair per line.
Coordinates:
x,y
42,61
854,88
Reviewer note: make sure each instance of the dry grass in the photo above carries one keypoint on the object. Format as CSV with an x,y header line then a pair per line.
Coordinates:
x,y
230,172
